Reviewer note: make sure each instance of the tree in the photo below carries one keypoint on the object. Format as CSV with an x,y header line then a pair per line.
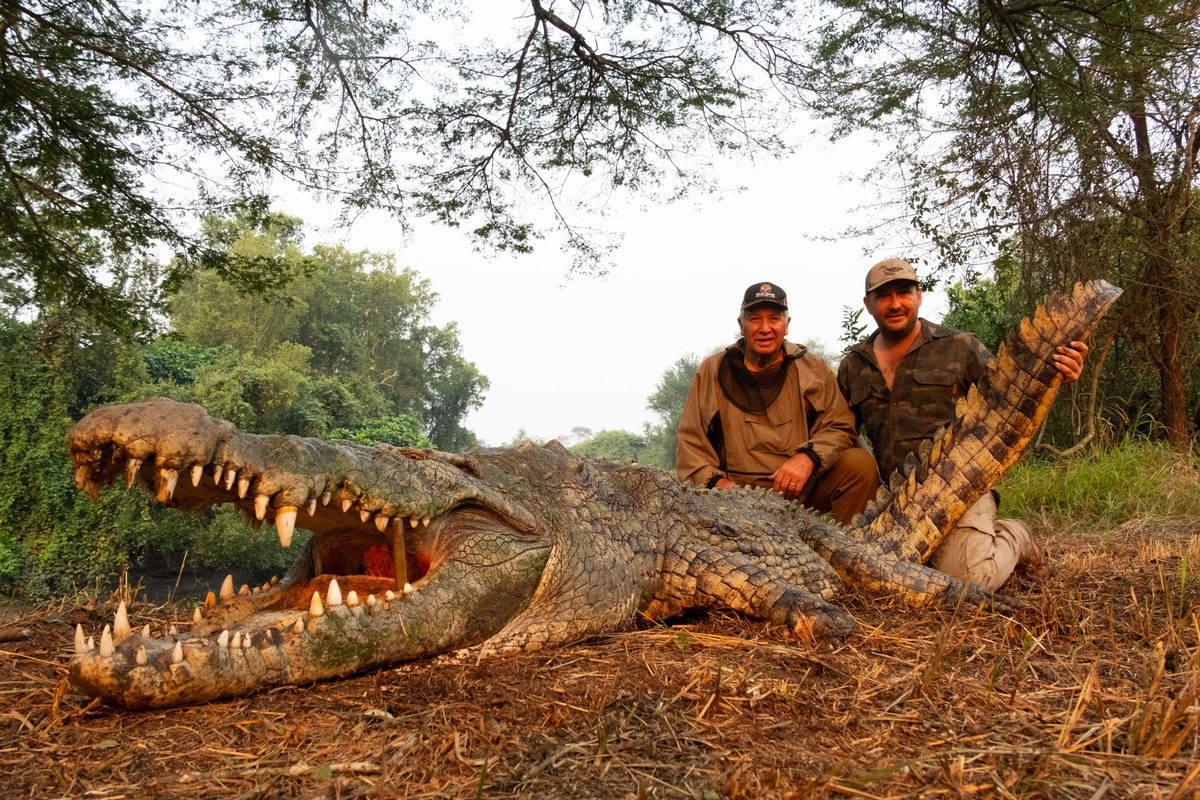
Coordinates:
x,y
112,118
667,402
1059,135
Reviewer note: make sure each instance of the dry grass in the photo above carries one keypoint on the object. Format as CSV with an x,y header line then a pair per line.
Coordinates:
x,y
1093,692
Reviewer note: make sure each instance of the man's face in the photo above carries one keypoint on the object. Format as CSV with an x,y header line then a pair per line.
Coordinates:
x,y
764,327
894,307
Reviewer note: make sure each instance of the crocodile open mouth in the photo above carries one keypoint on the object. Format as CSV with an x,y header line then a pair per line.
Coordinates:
x,y
383,520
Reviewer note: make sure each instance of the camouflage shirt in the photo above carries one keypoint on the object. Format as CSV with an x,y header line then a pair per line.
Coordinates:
x,y
934,374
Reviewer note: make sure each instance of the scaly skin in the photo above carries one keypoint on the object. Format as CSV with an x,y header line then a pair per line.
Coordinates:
x,y
521,549
515,550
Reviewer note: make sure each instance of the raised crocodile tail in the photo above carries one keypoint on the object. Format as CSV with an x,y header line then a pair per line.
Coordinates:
x,y
994,422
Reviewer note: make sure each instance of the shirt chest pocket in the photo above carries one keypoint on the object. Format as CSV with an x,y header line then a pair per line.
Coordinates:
x,y
934,392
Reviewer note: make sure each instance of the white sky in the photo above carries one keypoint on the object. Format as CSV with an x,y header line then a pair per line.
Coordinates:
x,y
588,351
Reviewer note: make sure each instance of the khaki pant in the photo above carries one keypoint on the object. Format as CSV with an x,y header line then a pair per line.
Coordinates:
x,y
984,550
847,487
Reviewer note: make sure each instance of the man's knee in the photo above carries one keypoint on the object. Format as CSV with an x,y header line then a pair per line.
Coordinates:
x,y
859,466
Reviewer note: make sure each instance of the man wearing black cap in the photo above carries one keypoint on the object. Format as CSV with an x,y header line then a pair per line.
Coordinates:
x,y
767,412
903,384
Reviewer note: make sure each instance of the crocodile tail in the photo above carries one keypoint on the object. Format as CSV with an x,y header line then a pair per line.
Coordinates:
x,y
994,423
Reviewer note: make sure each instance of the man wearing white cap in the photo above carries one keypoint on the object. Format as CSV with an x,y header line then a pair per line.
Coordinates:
x,y
903,384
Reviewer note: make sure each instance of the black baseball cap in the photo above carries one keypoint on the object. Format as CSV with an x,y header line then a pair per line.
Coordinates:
x,y
761,293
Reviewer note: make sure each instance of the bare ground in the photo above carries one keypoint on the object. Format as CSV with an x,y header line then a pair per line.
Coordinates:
x,y
1092,692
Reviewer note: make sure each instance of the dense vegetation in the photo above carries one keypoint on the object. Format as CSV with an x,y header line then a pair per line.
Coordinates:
x,y
347,352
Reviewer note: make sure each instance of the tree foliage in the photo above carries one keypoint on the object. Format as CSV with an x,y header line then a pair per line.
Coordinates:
x,y
113,120
1058,135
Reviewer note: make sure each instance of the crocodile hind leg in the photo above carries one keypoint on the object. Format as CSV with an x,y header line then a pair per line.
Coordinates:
x,y
712,578
865,568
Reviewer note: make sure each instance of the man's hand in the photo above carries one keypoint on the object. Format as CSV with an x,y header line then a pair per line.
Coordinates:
x,y
791,477
723,483
1069,361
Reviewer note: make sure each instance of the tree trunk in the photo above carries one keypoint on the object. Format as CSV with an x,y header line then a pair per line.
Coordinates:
x,y
1170,362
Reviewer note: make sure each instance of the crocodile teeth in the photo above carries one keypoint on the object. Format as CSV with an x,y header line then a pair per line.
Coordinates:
x,y
266,586
210,600
236,644
81,475
227,588
389,595
141,656
106,644
334,595
223,639
285,521
121,623
244,591
425,522
243,486
274,580
255,590
217,471
177,653
146,631
173,631
230,477
407,587
364,515
381,522
260,505
299,626
346,503
197,472
326,497
166,486
246,642
80,643
132,467
413,521
315,608
352,598
197,616
370,602
91,643
312,506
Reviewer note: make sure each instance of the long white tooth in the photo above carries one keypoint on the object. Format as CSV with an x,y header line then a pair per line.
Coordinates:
x,y
326,497
141,656
106,644
389,595
364,515
243,486
121,623
346,503
146,631
371,600
299,626
91,643
223,639
227,588
218,470
230,477
197,616
132,467
352,598
246,642
80,643
166,486
236,644
414,521
315,608
407,587
244,591
285,521
381,522
173,631
177,653
312,506
260,506
197,471
425,522
334,595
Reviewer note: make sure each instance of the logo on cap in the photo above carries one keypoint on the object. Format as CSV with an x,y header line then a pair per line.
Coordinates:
x,y
765,291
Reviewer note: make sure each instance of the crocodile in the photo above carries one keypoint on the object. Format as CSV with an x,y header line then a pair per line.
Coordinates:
x,y
415,552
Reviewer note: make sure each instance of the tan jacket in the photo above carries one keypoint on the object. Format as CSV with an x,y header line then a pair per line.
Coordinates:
x,y
809,413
